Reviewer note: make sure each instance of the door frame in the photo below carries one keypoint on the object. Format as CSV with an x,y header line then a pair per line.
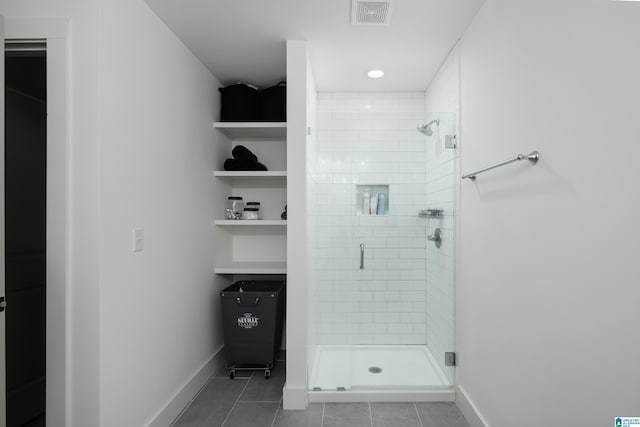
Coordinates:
x,y
55,31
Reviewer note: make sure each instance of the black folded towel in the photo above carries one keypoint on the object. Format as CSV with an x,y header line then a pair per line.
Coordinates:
x,y
240,152
243,160
239,165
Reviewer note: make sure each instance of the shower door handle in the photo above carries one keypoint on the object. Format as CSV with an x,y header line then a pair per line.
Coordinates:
x,y
361,256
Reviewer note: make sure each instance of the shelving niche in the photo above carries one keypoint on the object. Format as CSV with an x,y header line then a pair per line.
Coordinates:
x,y
258,247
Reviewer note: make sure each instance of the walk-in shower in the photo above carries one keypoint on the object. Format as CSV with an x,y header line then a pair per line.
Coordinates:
x,y
380,292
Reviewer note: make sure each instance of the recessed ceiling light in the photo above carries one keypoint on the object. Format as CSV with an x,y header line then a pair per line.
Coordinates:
x,y
367,106
375,74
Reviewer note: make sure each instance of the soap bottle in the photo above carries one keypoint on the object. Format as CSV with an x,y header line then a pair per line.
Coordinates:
x,y
366,204
373,206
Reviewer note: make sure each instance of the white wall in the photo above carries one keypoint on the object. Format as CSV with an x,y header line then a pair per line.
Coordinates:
x,y
142,149
547,305
159,308
442,101
82,344
299,82
385,302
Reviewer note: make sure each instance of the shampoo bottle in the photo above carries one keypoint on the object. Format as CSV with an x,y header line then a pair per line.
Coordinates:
x,y
373,206
366,201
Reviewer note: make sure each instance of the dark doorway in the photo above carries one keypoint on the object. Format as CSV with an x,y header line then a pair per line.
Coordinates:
x,y
25,222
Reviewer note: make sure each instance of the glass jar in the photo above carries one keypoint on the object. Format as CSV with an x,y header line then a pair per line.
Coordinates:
x,y
251,213
234,208
256,205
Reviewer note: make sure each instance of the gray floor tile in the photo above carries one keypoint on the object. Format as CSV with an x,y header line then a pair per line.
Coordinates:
x,y
347,415
260,389
394,415
441,415
212,405
252,414
311,417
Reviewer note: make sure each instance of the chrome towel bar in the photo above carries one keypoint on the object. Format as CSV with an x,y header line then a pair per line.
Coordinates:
x,y
533,157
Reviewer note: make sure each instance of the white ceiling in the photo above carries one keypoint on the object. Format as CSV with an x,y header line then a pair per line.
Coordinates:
x,y
244,40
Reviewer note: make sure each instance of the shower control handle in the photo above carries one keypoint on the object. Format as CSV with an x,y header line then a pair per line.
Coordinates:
x,y
361,256
436,237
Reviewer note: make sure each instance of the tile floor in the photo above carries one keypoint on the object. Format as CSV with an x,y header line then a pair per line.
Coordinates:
x,y
250,400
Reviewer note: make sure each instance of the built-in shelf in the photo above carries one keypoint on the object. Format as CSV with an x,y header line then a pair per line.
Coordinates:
x,y
251,222
250,174
253,130
265,239
252,268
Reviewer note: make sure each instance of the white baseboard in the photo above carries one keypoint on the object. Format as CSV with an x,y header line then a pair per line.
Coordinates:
x,y
179,401
469,409
294,397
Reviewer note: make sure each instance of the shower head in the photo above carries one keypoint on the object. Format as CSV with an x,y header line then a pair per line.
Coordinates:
x,y
425,129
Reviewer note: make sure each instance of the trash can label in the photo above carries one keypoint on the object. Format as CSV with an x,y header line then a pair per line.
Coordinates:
x,y
248,321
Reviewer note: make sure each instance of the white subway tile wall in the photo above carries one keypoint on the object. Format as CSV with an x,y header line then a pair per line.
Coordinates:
x,y
369,139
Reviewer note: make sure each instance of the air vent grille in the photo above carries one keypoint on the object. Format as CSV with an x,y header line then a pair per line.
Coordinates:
x,y
370,12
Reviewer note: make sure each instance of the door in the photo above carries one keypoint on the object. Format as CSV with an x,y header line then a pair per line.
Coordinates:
x,y
25,157
3,399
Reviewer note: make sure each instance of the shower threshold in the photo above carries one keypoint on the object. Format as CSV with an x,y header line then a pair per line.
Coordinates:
x,y
370,373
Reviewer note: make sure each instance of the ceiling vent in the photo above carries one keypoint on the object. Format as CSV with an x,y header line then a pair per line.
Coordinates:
x,y
370,12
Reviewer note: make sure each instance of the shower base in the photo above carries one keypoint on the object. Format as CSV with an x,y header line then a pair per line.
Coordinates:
x,y
364,373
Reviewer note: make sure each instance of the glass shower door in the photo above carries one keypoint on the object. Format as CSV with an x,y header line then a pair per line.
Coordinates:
x,y
380,289
440,220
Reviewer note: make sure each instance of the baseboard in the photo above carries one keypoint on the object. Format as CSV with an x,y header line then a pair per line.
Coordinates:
x,y
179,401
295,397
469,409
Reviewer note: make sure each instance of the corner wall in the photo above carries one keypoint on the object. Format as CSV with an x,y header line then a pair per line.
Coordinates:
x,y
299,83
547,303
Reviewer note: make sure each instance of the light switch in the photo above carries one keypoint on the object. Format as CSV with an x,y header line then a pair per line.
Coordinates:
x,y
138,239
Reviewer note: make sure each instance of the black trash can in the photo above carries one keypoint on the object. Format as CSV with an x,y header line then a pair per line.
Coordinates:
x,y
252,319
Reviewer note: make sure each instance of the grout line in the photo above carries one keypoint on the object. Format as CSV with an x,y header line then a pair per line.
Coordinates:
x,y
275,416
418,413
370,414
236,402
322,420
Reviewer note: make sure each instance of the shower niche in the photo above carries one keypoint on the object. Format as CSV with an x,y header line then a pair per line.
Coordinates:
x,y
372,200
